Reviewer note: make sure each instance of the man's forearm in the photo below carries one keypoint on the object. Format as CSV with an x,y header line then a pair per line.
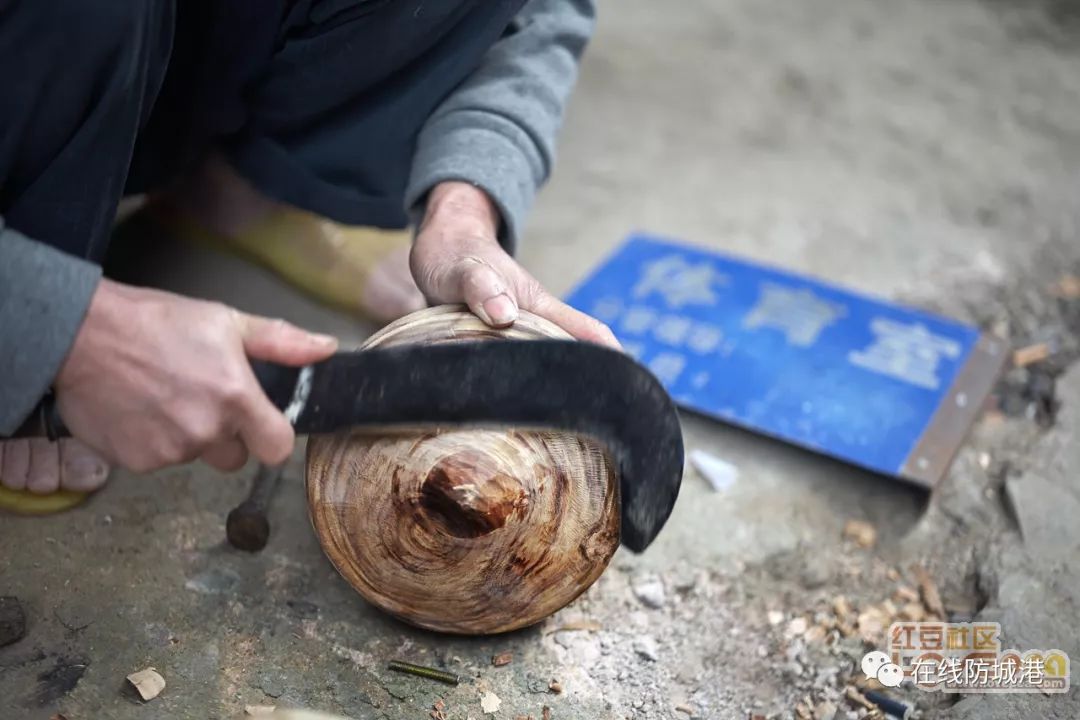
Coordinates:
x,y
44,294
497,131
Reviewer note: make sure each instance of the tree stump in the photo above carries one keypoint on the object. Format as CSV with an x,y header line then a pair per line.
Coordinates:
x,y
464,530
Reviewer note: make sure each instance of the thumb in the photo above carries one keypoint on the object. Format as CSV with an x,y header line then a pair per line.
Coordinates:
x,y
281,342
485,290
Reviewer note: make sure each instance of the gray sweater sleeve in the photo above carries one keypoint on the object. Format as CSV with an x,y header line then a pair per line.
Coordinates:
x,y
44,295
497,130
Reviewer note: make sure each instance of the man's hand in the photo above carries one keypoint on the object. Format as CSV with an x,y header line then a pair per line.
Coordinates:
x,y
155,379
457,258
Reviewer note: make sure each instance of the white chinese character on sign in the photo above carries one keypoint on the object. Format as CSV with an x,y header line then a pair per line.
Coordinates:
x,y
906,352
672,329
607,309
799,314
638,319
704,338
680,282
667,367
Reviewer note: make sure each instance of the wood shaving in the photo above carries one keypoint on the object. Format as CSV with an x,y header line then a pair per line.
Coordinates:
x,y
1067,287
858,698
861,533
928,589
905,594
1031,354
148,683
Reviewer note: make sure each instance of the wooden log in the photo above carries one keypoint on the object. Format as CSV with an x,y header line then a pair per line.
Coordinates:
x,y
464,530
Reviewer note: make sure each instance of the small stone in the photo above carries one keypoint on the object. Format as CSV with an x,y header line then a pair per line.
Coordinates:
x,y
502,659
825,711
815,572
861,533
148,683
797,626
650,591
555,686
646,647
872,623
12,620
490,703
272,684
815,634
775,617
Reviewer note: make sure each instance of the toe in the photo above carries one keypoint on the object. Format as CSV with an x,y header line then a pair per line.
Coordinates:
x,y
81,468
15,464
43,476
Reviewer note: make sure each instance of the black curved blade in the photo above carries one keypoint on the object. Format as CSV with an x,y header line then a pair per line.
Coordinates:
x,y
561,384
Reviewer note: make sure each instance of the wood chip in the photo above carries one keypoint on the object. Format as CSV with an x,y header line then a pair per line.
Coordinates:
x,y
545,713
1031,354
685,710
841,607
928,590
872,624
490,703
858,698
437,710
905,594
148,683
803,712
913,612
555,686
502,659
259,710
1067,287
861,533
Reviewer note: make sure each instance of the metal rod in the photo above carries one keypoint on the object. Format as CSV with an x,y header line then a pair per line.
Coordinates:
x,y
424,672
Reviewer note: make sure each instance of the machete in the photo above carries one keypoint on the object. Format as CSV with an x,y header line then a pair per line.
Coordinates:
x,y
560,384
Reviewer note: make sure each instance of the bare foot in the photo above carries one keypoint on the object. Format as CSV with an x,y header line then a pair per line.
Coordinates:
x,y
42,467
361,270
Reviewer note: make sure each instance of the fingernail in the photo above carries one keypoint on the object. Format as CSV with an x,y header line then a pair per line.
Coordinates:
x,y
324,340
501,309
89,468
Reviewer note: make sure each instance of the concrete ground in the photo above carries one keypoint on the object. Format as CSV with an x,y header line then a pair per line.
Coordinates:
x,y
926,150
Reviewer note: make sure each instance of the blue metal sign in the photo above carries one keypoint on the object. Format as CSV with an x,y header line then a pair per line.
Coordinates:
x,y
837,372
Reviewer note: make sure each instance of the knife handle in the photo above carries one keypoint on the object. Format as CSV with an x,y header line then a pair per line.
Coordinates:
x,y
277,381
